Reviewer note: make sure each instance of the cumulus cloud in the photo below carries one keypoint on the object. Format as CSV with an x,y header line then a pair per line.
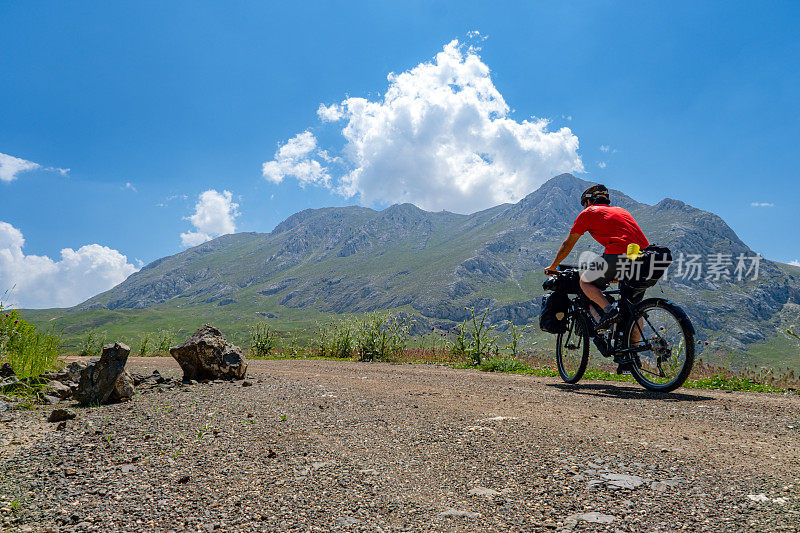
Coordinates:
x,y
441,137
37,281
762,204
214,215
11,167
795,263
296,159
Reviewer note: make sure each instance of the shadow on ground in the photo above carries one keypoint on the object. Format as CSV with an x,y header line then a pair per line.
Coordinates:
x,y
624,392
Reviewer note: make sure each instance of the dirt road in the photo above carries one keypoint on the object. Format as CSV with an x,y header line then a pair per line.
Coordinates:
x,y
321,445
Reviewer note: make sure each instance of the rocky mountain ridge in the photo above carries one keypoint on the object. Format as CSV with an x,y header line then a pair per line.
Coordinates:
x,y
355,259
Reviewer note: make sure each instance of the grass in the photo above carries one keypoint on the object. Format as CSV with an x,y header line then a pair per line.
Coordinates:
x,y
30,352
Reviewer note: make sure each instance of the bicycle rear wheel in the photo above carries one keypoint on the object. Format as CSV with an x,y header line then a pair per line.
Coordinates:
x,y
665,330
572,350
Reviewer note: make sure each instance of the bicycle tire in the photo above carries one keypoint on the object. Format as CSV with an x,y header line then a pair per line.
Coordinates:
x,y
576,326
687,331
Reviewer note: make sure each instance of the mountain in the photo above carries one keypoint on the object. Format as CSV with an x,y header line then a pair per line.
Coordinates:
x,y
355,259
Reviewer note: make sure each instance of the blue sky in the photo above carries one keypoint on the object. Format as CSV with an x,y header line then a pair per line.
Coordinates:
x,y
695,102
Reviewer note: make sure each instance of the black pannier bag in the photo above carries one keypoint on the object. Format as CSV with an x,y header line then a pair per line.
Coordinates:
x,y
553,318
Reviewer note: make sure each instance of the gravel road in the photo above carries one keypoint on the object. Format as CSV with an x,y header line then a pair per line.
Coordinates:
x,y
341,446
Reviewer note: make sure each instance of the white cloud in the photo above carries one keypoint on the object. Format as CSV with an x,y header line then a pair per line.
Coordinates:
x,y
795,263
762,204
129,187
11,167
296,159
213,216
604,148
602,164
37,281
441,137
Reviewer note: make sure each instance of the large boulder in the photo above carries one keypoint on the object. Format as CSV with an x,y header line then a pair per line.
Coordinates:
x,y
207,355
105,380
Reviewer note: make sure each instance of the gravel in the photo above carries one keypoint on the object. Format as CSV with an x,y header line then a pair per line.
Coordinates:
x,y
341,446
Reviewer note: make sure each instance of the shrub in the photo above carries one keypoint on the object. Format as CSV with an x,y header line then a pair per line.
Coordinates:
x,y
336,339
502,364
263,340
29,351
144,347
380,336
164,340
472,337
92,345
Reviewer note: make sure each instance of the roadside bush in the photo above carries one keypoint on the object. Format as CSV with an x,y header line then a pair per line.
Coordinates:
x,y
164,339
336,339
502,364
263,340
380,336
472,338
29,351
92,345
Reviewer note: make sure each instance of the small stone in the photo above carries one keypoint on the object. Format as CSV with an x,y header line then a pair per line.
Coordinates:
x,y
61,425
594,518
183,479
483,491
60,415
271,454
622,481
247,383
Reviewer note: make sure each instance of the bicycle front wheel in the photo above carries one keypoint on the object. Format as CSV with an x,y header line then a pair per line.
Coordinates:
x,y
572,350
666,337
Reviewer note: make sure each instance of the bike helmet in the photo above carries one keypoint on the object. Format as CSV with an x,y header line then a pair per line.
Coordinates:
x,y
596,194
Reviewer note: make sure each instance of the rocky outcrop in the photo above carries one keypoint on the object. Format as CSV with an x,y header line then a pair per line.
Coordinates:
x,y
105,380
207,355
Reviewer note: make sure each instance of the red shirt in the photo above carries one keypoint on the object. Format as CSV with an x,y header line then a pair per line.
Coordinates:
x,y
611,226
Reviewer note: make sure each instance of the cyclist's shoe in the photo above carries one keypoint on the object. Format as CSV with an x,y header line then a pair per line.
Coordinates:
x,y
609,318
624,368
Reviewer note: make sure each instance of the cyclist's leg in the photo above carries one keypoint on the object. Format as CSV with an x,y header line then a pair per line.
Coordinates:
x,y
595,294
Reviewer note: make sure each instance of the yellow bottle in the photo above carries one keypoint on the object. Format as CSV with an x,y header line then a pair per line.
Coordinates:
x,y
634,251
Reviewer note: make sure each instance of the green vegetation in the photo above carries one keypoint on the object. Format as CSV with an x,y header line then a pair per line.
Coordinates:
x,y
380,336
92,344
30,351
473,338
263,340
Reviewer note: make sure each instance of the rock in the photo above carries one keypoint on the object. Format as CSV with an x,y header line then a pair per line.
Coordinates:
x,y
591,517
105,381
622,481
483,491
207,355
60,415
58,389
247,384
69,374
6,370
458,513
47,399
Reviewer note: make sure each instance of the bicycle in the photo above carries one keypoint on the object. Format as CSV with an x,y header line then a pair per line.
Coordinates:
x,y
654,337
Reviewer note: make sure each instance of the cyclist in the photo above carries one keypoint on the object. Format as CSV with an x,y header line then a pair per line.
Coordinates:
x,y
615,229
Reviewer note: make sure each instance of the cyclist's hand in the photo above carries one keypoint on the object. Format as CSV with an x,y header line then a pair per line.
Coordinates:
x,y
550,271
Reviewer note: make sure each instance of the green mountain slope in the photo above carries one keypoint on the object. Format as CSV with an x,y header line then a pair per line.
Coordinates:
x,y
354,259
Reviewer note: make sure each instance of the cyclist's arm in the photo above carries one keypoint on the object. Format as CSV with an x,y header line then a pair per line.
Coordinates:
x,y
563,251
